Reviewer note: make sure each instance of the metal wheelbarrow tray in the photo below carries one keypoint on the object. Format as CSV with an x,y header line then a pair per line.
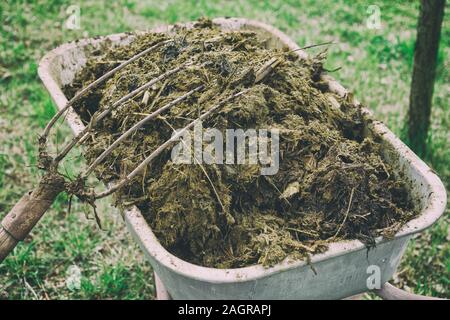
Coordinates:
x,y
341,271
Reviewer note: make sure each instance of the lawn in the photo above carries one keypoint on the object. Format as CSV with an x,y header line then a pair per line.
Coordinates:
x,y
375,64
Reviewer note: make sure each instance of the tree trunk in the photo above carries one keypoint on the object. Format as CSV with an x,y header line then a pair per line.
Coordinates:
x,y
424,72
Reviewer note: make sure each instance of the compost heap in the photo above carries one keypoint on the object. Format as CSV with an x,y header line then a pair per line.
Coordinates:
x,y
332,183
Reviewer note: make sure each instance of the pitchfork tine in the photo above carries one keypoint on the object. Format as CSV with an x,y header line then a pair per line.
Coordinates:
x,y
261,74
116,104
166,144
95,83
137,126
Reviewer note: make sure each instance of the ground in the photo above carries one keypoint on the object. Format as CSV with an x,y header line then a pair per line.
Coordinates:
x,y
375,64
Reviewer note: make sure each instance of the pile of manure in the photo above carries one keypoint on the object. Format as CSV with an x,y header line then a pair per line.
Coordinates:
x,y
332,183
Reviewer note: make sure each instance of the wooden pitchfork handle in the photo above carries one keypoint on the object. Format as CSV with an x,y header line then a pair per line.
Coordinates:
x,y
27,212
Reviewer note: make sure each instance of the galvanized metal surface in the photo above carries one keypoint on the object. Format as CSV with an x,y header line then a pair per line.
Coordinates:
x,y
340,272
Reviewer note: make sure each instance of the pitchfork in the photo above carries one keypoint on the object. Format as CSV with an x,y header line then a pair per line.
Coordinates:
x,y
30,208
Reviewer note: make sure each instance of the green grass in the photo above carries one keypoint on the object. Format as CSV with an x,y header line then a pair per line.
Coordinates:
x,y
376,66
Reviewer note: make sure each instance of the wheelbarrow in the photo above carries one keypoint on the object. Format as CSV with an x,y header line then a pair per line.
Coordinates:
x,y
344,270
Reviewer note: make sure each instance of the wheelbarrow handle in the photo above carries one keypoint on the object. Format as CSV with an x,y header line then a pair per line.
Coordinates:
x,y
389,292
18,223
